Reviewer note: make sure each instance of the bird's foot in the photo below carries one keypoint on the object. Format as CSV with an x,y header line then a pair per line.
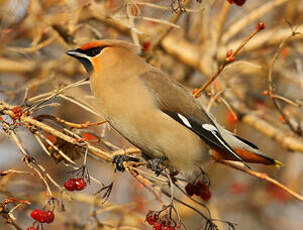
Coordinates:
x,y
119,159
154,164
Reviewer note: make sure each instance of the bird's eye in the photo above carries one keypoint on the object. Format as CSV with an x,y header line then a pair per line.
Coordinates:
x,y
93,51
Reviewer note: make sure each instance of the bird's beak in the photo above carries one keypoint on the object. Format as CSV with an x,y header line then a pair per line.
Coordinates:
x,y
77,54
73,53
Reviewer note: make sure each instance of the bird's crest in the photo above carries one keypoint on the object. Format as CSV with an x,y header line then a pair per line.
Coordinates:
x,y
90,45
111,43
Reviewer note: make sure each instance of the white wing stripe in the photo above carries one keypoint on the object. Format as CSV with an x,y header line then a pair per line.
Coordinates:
x,y
184,120
209,127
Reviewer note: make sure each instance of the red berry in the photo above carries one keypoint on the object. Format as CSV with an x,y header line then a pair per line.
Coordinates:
x,y
197,188
35,214
70,184
151,217
80,184
50,216
239,2
158,226
202,190
43,217
190,189
150,220
169,228
39,215
31,228
205,194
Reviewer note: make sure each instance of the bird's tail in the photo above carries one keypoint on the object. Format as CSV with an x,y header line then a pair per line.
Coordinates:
x,y
247,156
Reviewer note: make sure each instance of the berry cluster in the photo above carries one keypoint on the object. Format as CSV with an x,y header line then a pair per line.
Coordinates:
x,y
42,216
237,2
164,223
199,189
73,184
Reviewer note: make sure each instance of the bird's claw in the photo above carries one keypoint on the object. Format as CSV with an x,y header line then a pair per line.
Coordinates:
x,y
119,159
154,164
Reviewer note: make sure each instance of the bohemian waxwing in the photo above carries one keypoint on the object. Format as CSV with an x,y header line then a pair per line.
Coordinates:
x,y
156,113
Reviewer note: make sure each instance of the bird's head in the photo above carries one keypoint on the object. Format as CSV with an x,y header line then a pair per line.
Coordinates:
x,y
92,51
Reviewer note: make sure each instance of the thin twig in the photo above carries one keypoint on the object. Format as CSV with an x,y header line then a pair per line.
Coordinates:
x,y
262,176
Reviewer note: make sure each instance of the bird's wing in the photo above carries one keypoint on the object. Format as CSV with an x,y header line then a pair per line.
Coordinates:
x,y
174,100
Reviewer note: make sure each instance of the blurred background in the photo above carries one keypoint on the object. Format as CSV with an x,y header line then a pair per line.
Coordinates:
x,y
258,96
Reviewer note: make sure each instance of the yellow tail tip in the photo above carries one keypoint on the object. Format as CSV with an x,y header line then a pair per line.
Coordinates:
x,y
278,164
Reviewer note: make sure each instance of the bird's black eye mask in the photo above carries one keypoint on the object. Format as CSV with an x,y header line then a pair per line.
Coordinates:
x,y
92,51
84,55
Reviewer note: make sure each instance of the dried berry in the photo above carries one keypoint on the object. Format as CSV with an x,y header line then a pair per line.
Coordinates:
x,y
190,189
198,187
205,194
239,2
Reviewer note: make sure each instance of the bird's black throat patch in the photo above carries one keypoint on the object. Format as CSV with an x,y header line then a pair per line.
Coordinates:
x,y
87,64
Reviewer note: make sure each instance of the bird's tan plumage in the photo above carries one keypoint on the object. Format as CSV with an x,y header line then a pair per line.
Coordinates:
x,y
124,90
148,108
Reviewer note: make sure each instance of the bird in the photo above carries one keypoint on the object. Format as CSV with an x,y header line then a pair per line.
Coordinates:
x,y
156,113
